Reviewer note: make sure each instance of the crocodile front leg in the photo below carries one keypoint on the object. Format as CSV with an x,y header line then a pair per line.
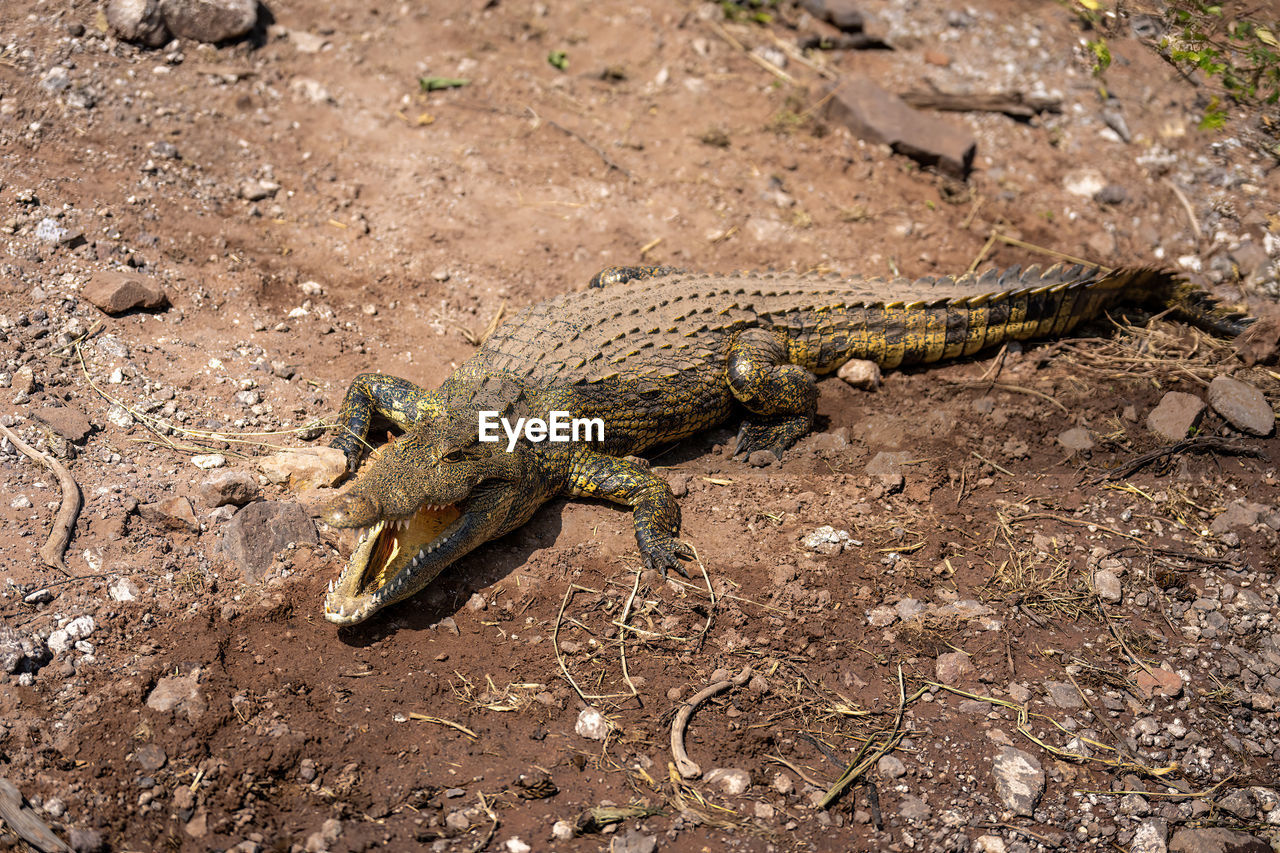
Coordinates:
x,y
783,397
396,400
656,513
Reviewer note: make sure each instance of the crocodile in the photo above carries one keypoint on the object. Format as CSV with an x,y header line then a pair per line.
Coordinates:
x,y
657,354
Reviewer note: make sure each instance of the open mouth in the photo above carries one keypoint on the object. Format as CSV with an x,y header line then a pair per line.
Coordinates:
x,y
386,561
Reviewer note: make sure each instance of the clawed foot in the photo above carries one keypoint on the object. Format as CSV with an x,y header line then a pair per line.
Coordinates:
x,y
664,554
777,437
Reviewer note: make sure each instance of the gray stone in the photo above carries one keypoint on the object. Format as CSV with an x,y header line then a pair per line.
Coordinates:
x,y
891,767
67,421
913,808
1237,514
634,841
1111,194
952,668
1213,840
1076,440
232,486
1150,836
826,540
150,757
117,292
732,781
1238,803
86,841
1063,695
262,530
1243,405
210,21
873,114
842,14
1019,780
1107,584
1175,415
761,458
138,21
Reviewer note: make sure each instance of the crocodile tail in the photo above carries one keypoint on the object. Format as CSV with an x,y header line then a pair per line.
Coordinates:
x,y
976,311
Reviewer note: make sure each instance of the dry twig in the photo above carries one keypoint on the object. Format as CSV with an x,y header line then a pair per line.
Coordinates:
x,y
65,521
689,768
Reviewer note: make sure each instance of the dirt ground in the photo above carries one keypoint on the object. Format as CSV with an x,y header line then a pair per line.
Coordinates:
x,y
312,214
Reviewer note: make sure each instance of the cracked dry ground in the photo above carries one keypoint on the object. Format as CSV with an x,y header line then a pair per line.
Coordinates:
x,y
1108,644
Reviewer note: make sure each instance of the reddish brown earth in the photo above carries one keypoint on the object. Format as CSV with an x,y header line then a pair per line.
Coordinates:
x,y
418,217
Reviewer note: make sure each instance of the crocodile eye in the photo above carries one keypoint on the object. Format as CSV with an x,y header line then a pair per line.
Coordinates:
x,y
454,456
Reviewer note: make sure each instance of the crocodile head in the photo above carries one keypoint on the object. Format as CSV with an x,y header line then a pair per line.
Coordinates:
x,y
424,501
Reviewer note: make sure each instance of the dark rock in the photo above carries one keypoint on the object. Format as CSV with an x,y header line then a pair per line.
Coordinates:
x,y
261,530
210,21
761,458
138,21
1242,405
1260,343
1063,695
952,668
1076,440
877,116
1175,415
1111,194
179,693
66,421
1237,514
1213,840
886,466
232,486
117,292
634,841
841,14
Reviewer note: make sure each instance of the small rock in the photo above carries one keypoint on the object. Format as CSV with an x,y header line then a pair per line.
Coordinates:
x,y
24,380
861,373
54,81
1019,780
1242,405
457,821
952,668
1237,514
886,467
881,617
913,808
150,757
989,844
179,693
1111,194
1085,183
515,845
891,767
253,190
66,636
260,531
86,841
117,292
761,458
1150,836
210,21
138,21
305,468
873,114
1214,840
1063,695
592,724
233,486
1175,415
305,42
66,421
123,589
826,540
1076,440
174,513
1238,803
562,830
732,781
1158,682
209,460
783,784
1107,584
842,14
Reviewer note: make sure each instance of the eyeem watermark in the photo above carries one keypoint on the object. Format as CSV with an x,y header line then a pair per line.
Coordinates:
x,y
561,426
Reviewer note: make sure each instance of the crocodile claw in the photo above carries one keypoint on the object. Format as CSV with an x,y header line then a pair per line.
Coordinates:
x,y
665,554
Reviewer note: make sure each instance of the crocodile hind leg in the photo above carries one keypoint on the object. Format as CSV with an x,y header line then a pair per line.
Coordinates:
x,y
782,397
396,400
655,511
